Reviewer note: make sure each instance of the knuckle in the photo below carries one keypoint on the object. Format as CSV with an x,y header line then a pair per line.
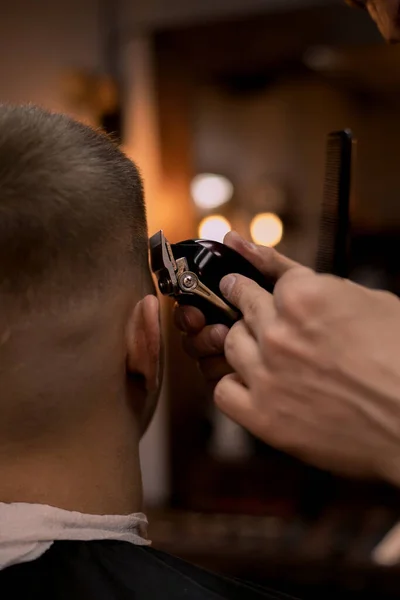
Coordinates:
x,y
275,338
303,293
385,296
220,395
251,307
233,337
188,319
253,303
230,344
209,342
265,258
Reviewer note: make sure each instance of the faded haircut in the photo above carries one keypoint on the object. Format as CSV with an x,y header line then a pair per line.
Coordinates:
x,y
72,213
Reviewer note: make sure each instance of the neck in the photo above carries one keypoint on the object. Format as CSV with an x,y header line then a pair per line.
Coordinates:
x,y
93,470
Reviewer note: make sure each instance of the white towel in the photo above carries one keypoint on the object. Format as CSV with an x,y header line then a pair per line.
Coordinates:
x,y
28,530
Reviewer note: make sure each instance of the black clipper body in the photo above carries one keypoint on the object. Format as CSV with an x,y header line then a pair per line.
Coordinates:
x,y
191,272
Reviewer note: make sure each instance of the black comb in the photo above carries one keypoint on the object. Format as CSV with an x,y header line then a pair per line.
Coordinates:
x,y
332,255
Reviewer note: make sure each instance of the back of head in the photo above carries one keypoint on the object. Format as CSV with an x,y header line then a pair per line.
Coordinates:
x,y
73,262
71,208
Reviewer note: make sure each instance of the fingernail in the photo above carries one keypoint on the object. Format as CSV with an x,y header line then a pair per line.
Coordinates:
x,y
184,321
216,337
227,284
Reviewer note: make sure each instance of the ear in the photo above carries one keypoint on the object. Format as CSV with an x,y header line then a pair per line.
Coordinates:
x,y
144,342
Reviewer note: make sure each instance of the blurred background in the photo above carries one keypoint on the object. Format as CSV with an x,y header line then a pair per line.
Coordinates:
x,y
225,105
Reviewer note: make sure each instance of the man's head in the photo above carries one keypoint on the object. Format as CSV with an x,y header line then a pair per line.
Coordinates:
x,y
386,14
79,327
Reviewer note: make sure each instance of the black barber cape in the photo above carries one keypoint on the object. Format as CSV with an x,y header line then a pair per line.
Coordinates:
x,y
112,570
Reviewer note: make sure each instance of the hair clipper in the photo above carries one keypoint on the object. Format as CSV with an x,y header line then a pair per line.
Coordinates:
x,y
191,272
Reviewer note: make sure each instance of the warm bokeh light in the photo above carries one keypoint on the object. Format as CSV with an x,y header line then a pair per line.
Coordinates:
x,y
266,229
321,58
210,191
214,228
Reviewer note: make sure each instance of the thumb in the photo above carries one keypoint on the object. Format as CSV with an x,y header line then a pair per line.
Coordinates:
x,y
267,260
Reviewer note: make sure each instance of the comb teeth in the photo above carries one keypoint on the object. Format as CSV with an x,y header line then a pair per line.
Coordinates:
x,y
332,256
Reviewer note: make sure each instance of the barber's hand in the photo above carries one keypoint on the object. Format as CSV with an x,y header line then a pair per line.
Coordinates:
x,y
317,367
203,343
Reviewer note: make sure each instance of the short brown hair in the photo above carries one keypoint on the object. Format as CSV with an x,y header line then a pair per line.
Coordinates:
x,y
72,211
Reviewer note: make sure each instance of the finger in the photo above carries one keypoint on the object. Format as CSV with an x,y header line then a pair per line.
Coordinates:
x,y
214,368
234,400
255,304
242,352
189,319
209,342
267,260
301,294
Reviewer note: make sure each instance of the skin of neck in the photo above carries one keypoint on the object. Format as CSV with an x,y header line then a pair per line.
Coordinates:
x,y
70,414
93,470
